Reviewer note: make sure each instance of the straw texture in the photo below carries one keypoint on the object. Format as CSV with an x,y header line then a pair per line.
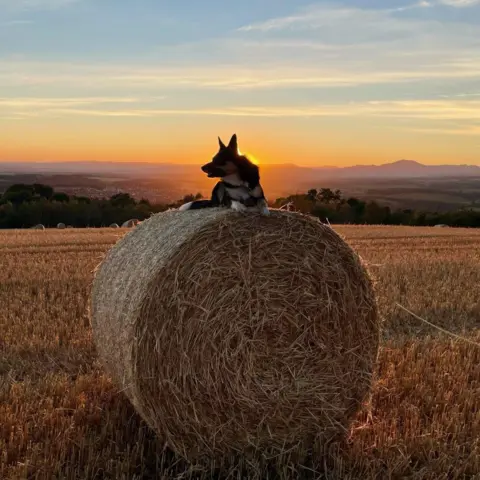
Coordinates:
x,y
237,333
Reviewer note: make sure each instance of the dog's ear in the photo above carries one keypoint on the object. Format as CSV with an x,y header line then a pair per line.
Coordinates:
x,y
233,145
248,172
222,145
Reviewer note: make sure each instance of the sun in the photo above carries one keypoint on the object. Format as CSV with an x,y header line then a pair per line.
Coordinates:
x,y
252,158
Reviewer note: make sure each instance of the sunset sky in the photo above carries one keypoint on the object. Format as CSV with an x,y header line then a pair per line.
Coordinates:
x,y
326,83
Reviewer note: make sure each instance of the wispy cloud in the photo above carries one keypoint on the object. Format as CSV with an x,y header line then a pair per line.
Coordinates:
x,y
16,23
322,16
34,102
43,75
421,4
357,21
461,95
16,5
464,131
319,47
460,3
451,3
464,110
383,40
434,110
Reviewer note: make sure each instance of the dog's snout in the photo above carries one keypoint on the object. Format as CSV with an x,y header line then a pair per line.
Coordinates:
x,y
213,170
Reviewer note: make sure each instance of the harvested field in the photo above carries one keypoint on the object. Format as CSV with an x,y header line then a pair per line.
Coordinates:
x,y
62,418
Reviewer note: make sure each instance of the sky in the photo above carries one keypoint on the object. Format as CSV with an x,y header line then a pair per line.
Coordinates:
x,y
304,82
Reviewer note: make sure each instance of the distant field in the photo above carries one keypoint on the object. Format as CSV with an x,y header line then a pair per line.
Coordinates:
x,y
425,200
60,417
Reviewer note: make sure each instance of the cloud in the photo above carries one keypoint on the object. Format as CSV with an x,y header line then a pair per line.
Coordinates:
x,y
35,102
15,23
19,5
382,40
460,3
377,35
450,116
467,131
463,110
421,4
280,62
461,95
433,110
319,17
432,3
320,47
317,48
228,77
338,22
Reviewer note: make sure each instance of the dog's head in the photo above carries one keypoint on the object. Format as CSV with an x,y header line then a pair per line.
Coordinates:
x,y
229,162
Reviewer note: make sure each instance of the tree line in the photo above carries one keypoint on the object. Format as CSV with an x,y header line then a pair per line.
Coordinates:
x,y
331,206
23,206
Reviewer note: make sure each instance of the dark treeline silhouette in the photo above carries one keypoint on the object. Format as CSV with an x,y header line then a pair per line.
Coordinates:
x,y
23,206
331,206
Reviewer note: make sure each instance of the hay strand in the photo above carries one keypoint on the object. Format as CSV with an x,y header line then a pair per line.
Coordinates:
x,y
440,329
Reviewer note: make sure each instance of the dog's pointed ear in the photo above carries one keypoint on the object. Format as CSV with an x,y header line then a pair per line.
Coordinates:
x,y
233,145
222,145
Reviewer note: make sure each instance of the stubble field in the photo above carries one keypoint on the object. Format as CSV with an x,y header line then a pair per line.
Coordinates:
x,y
60,416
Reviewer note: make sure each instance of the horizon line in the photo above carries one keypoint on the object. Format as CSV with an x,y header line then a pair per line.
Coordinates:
x,y
153,163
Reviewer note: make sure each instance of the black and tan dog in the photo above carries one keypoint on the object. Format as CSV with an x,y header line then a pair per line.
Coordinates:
x,y
239,187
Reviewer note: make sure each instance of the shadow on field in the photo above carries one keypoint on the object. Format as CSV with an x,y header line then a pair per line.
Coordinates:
x,y
118,444
108,439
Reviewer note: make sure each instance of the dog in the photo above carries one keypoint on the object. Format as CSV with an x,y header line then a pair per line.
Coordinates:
x,y
239,187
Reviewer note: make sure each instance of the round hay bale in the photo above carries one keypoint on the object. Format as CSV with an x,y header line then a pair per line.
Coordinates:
x,y
38,227
61,226
114,225
130,223
234,333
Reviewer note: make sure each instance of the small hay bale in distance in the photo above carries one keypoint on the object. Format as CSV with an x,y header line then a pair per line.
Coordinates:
x,y
114,225
235,333
61,226
130,223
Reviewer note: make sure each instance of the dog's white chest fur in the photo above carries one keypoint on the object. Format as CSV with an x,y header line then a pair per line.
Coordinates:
x,y
240,193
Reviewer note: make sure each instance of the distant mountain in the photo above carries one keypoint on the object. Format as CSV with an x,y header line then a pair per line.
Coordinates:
x,y
410,168
280,172
94,168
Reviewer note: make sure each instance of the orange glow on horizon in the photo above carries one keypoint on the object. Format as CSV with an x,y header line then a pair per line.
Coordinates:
x,y
329,158
194,143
